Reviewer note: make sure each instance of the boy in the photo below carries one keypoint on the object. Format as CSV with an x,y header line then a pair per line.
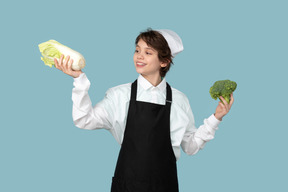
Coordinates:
x,y
148,118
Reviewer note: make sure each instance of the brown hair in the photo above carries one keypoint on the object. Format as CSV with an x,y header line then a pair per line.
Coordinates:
x,y
155,40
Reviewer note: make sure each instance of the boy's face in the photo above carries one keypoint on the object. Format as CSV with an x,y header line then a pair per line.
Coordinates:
x,y
146,60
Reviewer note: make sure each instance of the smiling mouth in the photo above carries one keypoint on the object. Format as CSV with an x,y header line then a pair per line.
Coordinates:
x,y
140,64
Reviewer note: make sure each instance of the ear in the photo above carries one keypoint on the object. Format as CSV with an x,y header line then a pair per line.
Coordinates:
x,y
163,64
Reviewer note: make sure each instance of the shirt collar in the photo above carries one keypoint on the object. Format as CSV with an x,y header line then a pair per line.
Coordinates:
x,y
145,84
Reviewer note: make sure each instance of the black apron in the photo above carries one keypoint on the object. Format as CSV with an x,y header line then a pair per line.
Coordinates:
x,y
146,161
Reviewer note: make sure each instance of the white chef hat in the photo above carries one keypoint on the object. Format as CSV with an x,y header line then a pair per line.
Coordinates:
x,y
173,40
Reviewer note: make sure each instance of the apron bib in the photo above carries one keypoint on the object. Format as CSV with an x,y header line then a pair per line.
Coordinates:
x,y
146,162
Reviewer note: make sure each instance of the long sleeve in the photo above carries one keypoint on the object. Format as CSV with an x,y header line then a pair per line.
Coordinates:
x,y
111,113
195,139
84,115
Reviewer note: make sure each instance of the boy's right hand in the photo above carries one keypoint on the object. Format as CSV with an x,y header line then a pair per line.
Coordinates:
x,y
66,66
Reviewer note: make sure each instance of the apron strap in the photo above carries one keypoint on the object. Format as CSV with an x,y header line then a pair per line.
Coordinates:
x,y
168,94
134,91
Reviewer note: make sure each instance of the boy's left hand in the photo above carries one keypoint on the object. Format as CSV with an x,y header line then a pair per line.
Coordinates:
x,y
223,109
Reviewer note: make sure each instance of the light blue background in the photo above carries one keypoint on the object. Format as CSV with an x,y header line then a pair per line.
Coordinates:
x,y
245,41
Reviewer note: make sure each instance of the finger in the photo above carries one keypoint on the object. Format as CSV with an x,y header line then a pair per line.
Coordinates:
x,y
61,60
231,101
222,105
224,101
225,104
221,109
70,64
66,61
56,62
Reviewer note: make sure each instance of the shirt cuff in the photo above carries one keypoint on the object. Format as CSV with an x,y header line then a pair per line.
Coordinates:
x,y
81,82
79,77
213,122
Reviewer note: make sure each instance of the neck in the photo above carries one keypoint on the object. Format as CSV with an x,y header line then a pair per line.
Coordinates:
x,y
154,80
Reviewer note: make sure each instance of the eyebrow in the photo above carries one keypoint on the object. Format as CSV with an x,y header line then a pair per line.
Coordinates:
x,y
147,48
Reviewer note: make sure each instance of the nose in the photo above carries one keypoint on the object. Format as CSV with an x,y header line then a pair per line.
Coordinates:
x,y
139,55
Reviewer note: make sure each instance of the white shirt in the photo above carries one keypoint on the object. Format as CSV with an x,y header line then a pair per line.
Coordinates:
x,y
111,113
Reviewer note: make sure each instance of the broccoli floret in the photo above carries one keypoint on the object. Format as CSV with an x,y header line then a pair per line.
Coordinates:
x,y
223,88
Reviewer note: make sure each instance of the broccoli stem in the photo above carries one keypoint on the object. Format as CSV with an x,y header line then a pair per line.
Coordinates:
x,y
227,98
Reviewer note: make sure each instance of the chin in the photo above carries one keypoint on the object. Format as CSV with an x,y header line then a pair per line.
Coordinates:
x,y
139,71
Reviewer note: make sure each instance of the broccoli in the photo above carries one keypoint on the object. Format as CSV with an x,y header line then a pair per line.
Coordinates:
x,y
223,88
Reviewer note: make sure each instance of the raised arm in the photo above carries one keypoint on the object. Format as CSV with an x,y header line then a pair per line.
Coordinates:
x,y
85,116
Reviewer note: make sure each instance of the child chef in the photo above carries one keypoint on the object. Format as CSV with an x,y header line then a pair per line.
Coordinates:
x,y
148,118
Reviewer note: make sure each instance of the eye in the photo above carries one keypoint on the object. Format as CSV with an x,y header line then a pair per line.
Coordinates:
x,y
148,53
136,51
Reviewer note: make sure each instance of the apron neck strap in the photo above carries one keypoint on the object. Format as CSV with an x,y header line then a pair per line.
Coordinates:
x,y
168,93
134,91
